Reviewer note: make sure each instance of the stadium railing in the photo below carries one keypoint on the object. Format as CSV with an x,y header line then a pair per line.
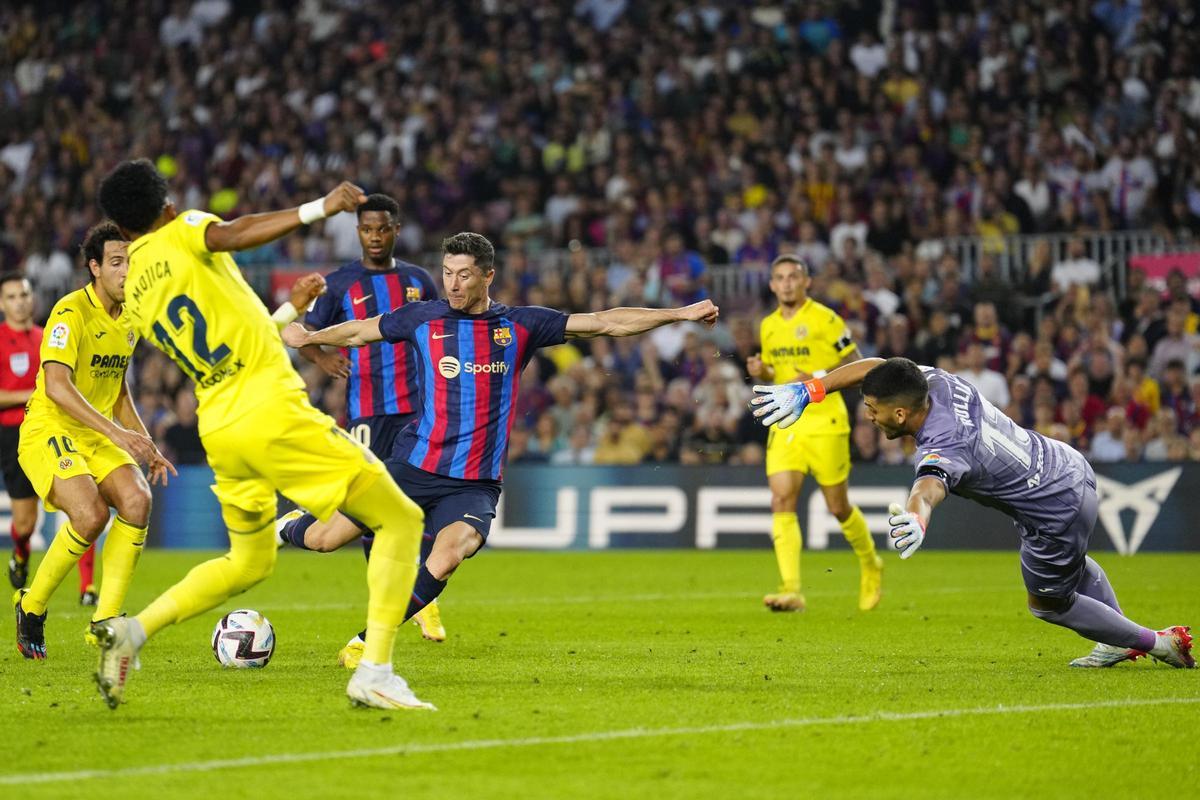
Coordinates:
x,y
741,286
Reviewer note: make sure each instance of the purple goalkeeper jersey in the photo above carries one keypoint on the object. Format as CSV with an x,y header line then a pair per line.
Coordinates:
x,y
981,454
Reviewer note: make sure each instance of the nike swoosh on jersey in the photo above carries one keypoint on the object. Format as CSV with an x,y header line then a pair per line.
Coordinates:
x,y
442,336
472,516
101,333
358,301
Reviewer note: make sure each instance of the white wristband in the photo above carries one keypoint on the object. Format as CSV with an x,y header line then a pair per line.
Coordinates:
x,y
312,211
285,315
820,373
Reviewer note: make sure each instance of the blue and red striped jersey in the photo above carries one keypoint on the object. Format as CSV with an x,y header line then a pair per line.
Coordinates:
x,y
470,370
381,380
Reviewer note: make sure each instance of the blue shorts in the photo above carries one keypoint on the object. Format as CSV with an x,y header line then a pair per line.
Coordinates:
x,y
378,434
445,500
1052,564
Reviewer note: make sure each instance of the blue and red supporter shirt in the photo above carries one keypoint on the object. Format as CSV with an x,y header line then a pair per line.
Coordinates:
x,y
381,381
470,369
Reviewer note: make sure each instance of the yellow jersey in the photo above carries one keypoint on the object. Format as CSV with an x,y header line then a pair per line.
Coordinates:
x,y
97,348
196,307
814,338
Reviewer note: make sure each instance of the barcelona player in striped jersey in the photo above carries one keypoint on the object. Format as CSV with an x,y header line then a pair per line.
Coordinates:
x,y
380,396
381,391
470,352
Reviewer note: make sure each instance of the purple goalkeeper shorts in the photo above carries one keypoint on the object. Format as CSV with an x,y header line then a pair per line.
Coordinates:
x,y
1052,564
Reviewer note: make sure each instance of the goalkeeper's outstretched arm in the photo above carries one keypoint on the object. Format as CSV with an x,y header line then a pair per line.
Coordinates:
x,y
849,376
782,405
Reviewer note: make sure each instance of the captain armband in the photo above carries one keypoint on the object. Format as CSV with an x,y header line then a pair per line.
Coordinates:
x,y
930,471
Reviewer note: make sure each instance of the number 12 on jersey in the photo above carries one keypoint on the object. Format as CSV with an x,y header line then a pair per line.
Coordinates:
x,y
203,357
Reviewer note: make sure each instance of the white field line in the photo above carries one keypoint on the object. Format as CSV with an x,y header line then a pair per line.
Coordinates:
x,y
577,738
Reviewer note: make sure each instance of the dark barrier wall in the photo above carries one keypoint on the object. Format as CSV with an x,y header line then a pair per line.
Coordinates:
x,y
1142,507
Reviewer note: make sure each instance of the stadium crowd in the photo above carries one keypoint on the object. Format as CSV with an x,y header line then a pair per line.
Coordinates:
x,y
674,136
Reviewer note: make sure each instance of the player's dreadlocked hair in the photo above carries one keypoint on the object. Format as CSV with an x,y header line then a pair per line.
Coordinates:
x,y
92,248
471,244
898,382
380,202
133,195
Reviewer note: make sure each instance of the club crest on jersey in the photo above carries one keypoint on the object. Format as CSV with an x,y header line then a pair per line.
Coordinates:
x,y
131,337
412,294
65,464
19,363
801,331
502,336
58,336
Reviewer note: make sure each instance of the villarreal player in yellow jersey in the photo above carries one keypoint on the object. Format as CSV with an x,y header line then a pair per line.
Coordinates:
x,y
186,296
82,439
802,339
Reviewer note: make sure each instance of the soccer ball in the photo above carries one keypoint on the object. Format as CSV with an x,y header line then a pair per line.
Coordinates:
x,y
243,639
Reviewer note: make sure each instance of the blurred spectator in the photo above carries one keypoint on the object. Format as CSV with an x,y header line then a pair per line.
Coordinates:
x,y
1108,445
1076,270
990,384
1176,345
1130,179
681,273
181,438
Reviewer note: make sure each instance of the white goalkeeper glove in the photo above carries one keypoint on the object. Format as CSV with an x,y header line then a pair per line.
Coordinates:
x,y
785,403
907,531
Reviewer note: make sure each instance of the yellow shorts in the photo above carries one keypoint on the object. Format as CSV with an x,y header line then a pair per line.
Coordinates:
x,y
49,452
291,447
826,457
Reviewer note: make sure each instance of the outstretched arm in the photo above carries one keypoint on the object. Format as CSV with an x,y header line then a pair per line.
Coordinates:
x,y
909,522
632,321
849,375
354,333
254,230
785,403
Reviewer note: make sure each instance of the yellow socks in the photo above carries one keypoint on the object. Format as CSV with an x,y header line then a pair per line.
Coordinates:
x,y
250,559
64,553
785,534
122,549
859,536
397,522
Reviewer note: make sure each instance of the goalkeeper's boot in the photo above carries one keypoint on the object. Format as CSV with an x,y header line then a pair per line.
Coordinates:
x,y
18,571
1106,655
88,596
376,686
352,653
429,620
784,601
1173,646
870,583
119,645
282,522
31,630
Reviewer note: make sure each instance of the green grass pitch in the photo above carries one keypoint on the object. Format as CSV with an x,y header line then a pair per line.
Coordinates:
x,y
621,675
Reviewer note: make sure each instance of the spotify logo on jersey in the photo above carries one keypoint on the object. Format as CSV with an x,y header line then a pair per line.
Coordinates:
x,y
449,367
